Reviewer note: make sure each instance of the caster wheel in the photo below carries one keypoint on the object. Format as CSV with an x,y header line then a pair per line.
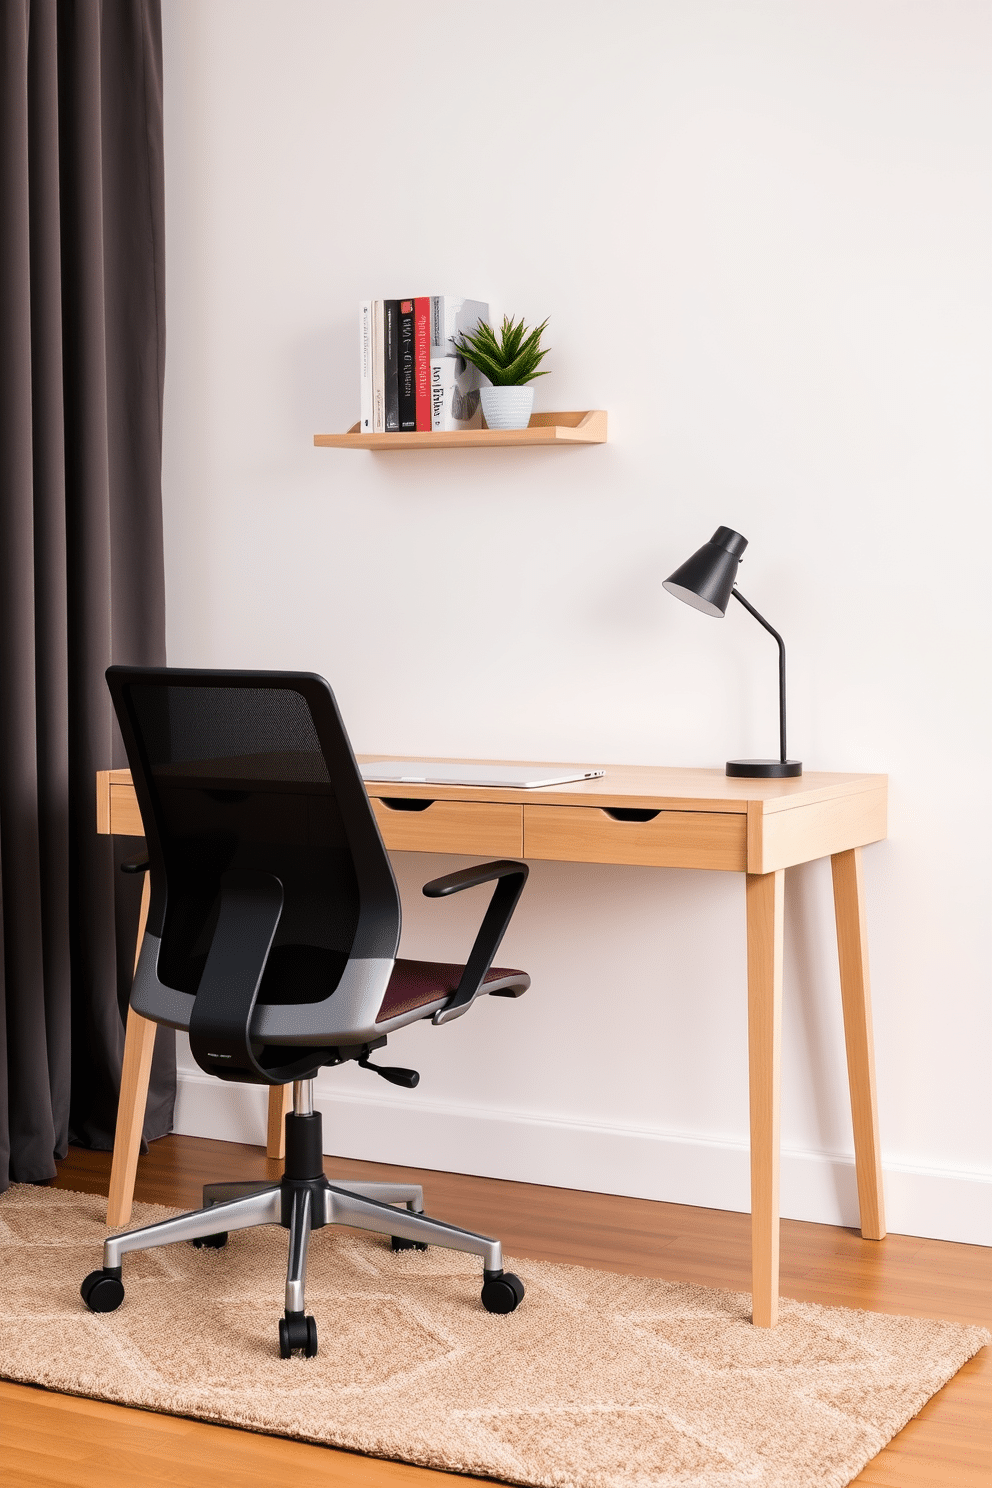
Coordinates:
x,y
102,1291
503,1292
297,1332
211,1242
397,1243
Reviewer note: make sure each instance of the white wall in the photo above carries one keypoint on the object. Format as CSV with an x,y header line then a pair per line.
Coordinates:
x,y
763,234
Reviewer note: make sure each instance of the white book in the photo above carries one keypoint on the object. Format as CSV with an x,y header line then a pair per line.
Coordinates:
x,y
455,383
378,370
365,365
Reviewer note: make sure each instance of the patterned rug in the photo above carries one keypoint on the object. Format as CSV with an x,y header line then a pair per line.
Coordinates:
x,y
597,1381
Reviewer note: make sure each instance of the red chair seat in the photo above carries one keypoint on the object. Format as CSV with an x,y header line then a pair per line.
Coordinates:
x,y
415,984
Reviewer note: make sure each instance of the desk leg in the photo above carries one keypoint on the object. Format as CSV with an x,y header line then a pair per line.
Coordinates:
x,y
765,936
852,949
139,1043
280,1101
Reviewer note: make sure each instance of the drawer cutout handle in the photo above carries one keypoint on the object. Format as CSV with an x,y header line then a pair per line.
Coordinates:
x,y
405,803
631,813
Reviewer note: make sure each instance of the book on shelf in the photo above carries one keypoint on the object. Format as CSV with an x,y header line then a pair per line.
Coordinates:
x,y
391,363
455,383
365,352
378,400
407,369
411,376
422,354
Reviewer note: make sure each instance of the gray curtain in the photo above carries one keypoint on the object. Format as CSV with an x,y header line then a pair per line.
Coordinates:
x,y
82,344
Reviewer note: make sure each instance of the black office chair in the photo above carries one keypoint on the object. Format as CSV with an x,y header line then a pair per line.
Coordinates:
x,y
272,935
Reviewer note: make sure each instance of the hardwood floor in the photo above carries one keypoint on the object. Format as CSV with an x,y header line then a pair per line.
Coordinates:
x,y
52,1439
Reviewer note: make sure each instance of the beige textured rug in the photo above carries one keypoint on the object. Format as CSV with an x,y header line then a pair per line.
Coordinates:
x,y
597,1380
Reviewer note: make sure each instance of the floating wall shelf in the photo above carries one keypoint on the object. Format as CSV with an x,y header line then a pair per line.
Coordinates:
x,y
588,427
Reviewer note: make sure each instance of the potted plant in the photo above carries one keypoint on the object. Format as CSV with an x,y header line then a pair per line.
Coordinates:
x,y
510,361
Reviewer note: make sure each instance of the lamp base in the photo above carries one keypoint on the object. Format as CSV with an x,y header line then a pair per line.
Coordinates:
x,y
764,769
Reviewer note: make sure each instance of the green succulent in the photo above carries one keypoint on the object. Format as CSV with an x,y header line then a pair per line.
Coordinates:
x,y
509,361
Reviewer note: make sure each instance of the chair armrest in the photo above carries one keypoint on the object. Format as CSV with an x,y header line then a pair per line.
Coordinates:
x,y
470,878
135,865
510,878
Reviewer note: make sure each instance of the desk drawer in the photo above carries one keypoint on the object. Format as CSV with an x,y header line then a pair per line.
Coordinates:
x,y
479,828
671,839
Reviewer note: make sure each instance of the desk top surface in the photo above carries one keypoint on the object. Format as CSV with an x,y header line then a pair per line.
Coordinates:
x,y
657,787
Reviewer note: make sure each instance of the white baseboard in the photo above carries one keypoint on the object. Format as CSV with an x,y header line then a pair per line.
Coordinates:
x,y
643,1164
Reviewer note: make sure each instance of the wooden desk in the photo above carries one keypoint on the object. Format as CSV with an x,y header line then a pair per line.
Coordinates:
x,y
650,817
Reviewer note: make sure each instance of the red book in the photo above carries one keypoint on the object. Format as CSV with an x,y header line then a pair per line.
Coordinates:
x,y
422,361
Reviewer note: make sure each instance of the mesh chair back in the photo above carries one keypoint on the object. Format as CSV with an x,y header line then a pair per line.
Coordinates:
x,y
252,770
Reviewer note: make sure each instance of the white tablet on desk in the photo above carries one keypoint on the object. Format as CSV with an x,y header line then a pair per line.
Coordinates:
x,y
470,772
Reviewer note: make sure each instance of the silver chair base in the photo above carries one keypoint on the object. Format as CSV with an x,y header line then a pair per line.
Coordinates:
x,y
302,1201
363,1206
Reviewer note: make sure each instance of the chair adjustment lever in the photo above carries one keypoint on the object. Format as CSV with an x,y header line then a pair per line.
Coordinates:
x,y
393,1073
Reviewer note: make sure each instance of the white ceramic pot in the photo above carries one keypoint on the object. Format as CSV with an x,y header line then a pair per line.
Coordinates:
x,y
507,407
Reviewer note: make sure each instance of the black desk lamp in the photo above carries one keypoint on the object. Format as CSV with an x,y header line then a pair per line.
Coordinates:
x,y
706,581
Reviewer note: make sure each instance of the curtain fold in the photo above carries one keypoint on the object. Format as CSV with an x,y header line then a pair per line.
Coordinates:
x,y
82,346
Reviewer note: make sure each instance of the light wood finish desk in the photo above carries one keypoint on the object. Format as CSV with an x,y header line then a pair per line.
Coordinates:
x,y
649,817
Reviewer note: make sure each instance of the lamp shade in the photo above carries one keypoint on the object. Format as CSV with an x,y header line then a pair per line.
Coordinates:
x,y
706,580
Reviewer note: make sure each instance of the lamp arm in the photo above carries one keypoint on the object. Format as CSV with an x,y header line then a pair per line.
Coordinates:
x,y
781,667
